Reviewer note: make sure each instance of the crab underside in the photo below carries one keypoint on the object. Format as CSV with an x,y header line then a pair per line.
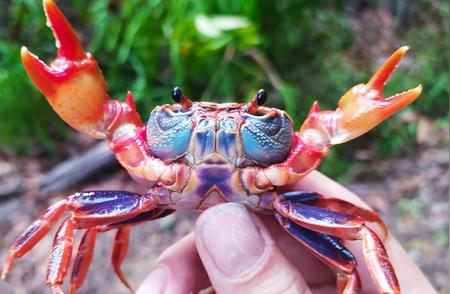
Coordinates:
x,y
198,154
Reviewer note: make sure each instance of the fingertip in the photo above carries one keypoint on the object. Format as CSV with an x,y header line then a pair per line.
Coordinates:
x,y
240,255
228,237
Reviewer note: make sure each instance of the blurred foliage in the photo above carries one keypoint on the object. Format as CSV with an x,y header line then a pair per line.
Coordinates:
x,y
207,47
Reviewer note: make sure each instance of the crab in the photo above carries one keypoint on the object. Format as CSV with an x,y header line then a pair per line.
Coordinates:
x,y
198,154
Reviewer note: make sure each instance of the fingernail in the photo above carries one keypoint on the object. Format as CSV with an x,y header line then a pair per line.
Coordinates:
x,y
231,238
155,283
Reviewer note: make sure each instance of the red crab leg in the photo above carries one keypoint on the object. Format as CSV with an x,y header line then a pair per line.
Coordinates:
x,y
378,263
60,257
85,251
329,250
335,204
33,234
119,252
349,228
82,260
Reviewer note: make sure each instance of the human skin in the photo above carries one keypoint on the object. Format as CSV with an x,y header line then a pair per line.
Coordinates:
x,y
236,251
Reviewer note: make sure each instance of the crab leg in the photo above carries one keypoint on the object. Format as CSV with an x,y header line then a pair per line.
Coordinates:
x,y
33,234
347,227
96,208
335,204
334,223
83,260
87,244
380,268
88,209
343,206
119,252
153,214
328,249
60,257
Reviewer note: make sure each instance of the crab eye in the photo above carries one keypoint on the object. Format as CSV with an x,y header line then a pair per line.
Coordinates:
x,y
177,94
261,97
179,98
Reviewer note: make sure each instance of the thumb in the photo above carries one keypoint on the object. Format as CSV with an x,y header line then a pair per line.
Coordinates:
x,y
240,256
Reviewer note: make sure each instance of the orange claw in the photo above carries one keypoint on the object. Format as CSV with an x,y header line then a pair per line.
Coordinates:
x,y
73,84
363,107
360,109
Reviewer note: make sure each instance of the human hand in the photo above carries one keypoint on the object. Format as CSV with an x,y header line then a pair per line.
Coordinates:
x,y
236,251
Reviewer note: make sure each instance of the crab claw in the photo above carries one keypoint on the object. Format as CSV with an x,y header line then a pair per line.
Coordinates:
x,y
363,107
73,83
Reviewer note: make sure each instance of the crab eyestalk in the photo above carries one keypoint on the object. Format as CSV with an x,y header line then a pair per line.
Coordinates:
x,y
258,100
360,109
73,83
179,97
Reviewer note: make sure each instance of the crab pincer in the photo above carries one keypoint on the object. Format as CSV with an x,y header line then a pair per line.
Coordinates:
x,y
362,108
73,83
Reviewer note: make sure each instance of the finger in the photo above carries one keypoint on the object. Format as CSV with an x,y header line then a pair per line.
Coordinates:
x,y
178,270
240,256
411,279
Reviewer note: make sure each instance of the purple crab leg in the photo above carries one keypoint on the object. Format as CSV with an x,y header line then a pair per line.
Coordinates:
x,y
335,204
347,227
304,197
330,250
96,208
143,217
326,221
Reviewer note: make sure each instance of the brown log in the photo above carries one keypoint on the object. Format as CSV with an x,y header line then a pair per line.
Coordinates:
x,y
65,175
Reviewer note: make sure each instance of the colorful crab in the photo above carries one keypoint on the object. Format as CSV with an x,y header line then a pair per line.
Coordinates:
x,y
198,154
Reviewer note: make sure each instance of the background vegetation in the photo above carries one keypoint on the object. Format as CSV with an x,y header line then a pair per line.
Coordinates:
x,y
298,50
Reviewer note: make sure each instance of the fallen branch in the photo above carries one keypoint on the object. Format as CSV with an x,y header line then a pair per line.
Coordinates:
x,y
66,174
